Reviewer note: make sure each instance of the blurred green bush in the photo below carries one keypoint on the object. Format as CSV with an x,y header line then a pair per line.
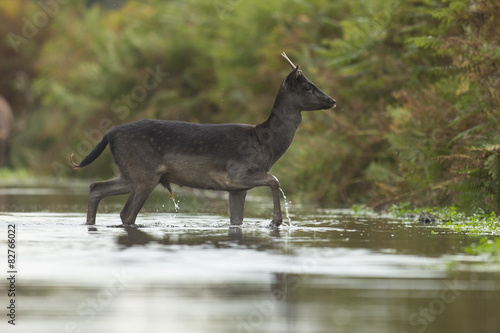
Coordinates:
x,y
416,83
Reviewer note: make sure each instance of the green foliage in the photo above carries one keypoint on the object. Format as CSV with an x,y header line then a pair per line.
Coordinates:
x,y
18,56
445,102
362,210
452,218
18,175
477,224
490,247
479,177
416,82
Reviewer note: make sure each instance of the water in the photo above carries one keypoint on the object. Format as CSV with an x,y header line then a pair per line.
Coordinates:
x,y
287,212
176,203
189,271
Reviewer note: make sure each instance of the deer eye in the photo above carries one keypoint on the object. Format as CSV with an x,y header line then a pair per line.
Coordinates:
x,y
307,87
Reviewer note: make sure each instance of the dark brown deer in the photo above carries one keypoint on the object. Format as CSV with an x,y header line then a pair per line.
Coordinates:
x,y
225,157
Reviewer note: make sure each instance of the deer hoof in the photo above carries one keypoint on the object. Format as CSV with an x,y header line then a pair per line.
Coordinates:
x,y
275,223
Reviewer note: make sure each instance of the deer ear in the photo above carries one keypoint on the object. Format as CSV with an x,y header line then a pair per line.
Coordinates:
x,y
297,71
291,80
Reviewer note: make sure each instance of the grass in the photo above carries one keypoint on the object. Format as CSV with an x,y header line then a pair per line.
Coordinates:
x,y
25,178
489,247
480,223
18,175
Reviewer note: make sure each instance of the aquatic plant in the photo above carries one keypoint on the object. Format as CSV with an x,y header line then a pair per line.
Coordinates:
x,y
486,246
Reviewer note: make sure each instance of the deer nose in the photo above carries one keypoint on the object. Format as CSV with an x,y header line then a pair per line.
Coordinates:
x,y
334,104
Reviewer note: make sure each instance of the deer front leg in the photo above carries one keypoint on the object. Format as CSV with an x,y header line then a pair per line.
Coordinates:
x,y
275,188
256,179
236,206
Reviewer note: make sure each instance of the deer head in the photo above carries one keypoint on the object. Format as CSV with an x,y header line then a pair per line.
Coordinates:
x,y
302,94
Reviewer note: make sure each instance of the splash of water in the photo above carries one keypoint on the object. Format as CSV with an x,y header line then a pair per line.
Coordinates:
x,y
176,202
176,205
290,223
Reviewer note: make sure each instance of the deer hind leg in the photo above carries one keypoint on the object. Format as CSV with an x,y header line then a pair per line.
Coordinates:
x,y
100,190
138,196
236,206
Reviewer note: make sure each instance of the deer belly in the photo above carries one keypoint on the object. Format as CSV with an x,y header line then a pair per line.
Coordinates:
x,y
199,174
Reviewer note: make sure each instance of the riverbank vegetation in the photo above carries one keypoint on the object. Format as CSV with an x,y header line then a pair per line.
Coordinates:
x,y
480,224
417,85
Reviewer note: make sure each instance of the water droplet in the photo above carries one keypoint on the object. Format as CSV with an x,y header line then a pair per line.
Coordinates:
x,y
286,209
176,202
176,205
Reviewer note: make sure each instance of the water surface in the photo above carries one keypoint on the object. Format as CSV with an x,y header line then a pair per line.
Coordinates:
x,y
189,271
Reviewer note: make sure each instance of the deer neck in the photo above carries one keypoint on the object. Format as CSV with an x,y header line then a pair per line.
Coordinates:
x,y
277,132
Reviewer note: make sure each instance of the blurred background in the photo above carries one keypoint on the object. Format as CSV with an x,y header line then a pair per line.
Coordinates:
x,y
417,85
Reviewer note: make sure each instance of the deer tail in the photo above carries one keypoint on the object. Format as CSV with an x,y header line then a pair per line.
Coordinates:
x,y
92,156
